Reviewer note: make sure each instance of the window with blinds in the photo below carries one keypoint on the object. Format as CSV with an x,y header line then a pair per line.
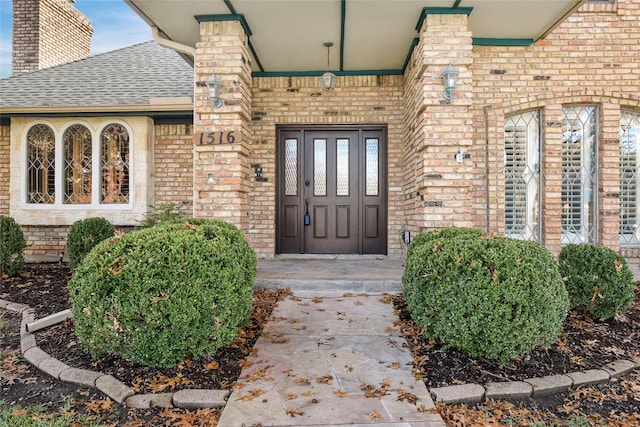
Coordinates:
x,y
579,174
629,173
522,176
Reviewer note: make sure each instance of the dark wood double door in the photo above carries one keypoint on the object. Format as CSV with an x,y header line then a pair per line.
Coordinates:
x,y
331,187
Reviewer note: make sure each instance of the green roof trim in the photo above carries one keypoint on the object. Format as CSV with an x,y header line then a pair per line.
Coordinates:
x,y
236,17
441,11
456,4
389,72
414,43
488,41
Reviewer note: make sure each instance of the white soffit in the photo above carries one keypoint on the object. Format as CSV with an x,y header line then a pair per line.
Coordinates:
x,y
287,36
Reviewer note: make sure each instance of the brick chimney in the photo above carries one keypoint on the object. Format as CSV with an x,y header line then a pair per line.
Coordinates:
x,y
48,33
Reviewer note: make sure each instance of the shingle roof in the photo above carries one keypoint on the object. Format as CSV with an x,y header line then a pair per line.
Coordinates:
x,y
127,76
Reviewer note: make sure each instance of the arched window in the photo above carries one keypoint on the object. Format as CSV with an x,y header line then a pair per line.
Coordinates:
x,y
77,165
114,164
41,180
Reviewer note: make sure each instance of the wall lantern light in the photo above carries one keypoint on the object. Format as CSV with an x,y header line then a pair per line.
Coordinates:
x,y
328,80
214,84
449,76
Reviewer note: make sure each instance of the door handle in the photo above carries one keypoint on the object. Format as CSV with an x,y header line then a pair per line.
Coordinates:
x,y
307,217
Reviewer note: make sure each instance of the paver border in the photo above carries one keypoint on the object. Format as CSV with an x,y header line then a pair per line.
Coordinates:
x,y
205,398
107,384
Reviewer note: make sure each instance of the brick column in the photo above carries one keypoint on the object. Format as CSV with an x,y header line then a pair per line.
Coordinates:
x,y
552,178
609,179
221,169
444,187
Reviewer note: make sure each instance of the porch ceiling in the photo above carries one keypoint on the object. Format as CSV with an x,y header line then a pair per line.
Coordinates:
x,y
369,36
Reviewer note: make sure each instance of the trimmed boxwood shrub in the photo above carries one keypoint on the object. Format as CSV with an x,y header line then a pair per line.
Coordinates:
x,y
159,295
84,235
597,278
445,233
166,212
487,296
12,246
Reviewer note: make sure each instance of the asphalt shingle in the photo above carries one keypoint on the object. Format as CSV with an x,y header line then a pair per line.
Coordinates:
x,y
127,76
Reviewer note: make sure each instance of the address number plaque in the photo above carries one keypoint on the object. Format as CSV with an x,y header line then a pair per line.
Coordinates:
x,y
216,137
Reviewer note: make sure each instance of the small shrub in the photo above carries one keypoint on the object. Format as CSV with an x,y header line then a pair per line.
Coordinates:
x,y
165,213
12,246
597,278
445,233
84,235
487,296
162,294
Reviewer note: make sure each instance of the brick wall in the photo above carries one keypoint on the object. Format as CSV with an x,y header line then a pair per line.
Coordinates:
x,y
48,33
221,171
439,191
5,145
173,166
591,58
300,100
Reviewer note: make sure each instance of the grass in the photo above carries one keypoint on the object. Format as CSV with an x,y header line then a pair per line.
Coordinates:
x,y
39,416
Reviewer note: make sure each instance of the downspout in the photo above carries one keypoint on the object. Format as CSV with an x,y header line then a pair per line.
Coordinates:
x,y
178,47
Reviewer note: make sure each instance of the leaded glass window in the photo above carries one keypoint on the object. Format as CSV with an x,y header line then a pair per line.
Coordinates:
x,y
77,165
629,176
579,174
291,167
319,167
522,176
41,167
371,167
342,167
114,164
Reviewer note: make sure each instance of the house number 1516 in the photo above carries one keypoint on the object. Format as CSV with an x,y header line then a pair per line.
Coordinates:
x,y
214,137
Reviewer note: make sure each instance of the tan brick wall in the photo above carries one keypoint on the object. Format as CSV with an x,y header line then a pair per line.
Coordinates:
x,y
173,166
5,160
439,191
48,33
301,101
5,133
221,171
591,58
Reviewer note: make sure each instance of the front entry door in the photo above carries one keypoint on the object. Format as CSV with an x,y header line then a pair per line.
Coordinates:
x,y
331,191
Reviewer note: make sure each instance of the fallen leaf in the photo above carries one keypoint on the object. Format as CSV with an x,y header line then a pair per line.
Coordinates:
x,y
291,396
252,395
211,366
327,379
375,416
293,412
340,393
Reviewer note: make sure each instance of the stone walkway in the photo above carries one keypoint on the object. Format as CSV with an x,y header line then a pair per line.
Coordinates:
x,y
330,361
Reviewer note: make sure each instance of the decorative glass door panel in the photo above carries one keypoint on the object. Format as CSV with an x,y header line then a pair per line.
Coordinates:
x,y
331,191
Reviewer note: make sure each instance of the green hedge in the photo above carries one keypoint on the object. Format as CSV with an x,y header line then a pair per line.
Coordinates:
x,y
597,278
487,296
12,246
84,235
159,295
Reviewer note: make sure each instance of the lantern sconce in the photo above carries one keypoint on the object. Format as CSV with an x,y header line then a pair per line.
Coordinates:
x,y
328,80
449,77
214,84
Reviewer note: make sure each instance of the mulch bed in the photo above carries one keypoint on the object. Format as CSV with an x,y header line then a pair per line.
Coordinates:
x,y
586,343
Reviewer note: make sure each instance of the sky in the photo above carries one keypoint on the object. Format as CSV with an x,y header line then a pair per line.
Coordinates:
x,y
115,25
